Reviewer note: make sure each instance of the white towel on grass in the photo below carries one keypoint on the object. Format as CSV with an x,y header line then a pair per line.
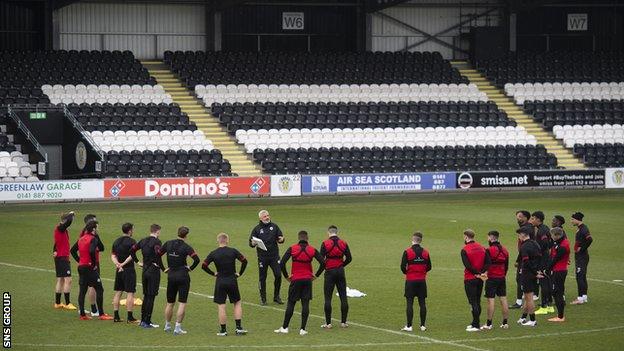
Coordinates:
x,y
354,293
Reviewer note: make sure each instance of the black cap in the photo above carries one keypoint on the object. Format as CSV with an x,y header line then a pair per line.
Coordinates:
x,y
560,219
578,216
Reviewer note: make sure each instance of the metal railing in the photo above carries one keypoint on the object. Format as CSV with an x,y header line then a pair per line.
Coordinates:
x,y
27,134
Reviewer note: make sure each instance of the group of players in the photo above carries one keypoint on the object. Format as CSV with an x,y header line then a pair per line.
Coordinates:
x,y
543,257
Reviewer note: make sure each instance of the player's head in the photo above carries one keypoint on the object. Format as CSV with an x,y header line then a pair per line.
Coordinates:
x,y
155,229
469,235
303,235
537,217
332,230
577,218
91,227
127,228
183,232
523,234
558,221
90,217
557,233
417,237
493,236
264,216
223,239
522,216
65,216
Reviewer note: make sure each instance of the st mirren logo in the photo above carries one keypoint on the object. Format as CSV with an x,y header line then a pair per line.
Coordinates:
x,y
285,185
618,177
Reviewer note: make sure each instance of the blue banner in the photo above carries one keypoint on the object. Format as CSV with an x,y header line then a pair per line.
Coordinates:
x,y
389,182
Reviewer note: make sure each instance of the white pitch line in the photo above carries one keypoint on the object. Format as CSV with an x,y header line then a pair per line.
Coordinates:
x,y
530,336
395,332
288,346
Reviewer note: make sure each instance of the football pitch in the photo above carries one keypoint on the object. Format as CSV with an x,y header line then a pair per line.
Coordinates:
x,y
378,229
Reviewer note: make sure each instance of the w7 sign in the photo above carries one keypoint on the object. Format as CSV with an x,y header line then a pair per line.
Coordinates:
x,y
292,20
577,21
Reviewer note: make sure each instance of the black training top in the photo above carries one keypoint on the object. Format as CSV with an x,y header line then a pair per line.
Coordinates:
x,y
530,257
176,251
224,259
269,233
122,248
150,246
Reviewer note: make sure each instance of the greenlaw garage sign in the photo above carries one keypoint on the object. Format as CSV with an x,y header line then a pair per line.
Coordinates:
x,y
54,190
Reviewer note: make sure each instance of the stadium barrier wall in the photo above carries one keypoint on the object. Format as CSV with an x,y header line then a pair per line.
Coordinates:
x,y
298,185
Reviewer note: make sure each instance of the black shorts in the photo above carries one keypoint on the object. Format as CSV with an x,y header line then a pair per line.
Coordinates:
x,y
300,290
495,287
474,289
88,276
151,280
335,278
62,266
126,280
558,279
528,283
178,284
416,288
226,288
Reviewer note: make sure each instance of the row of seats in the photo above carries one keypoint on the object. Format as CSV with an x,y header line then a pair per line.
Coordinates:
x,y
152,140
343,93
127,109
403,159
170,163
554,66
601,155
589,134
265,139
311,68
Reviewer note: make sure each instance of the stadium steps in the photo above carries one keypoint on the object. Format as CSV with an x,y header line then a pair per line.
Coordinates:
x,y
565,157
241,163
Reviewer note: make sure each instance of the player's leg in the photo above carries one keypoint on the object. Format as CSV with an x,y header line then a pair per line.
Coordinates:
x,y
290,309
91,293
66,291
341,286
130,289
184,286
505,310
116,298
172,291
82,292
238,317
409,311
558,290
222,319
99,298
423,311
328,291
305,312
262,275
277,283
60,281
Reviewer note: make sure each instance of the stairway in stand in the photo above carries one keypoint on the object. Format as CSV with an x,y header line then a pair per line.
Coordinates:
x,y
241,163
565,157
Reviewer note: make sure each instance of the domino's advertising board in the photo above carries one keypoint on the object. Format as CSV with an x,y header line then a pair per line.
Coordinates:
x,y
368,183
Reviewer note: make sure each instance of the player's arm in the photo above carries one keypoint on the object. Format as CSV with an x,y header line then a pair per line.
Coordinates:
x,y
558,256
253,233
243,261
64,224
487,262
196,260
506,264
587,240
206,265
159,252
93,249
74,252
428,259
283,261
280,235
321,261
467,264
347,253
404,262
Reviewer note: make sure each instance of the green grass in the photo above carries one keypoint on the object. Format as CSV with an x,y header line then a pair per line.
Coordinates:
x,y
377,228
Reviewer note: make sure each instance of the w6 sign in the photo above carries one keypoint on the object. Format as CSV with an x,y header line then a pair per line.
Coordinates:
x,y
292,21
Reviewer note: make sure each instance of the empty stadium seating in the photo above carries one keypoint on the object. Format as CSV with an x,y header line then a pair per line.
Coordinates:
x,y
577,95
14,165
311,68
23,73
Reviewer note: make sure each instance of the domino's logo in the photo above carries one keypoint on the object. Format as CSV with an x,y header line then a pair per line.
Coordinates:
x,y
116,188
257,185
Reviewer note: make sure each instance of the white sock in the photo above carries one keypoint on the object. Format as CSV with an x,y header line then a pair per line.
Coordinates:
x,y
519,301
178,326
167,325
585,298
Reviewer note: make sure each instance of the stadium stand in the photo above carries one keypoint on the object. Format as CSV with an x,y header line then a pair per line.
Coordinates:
x,y
576,95
15,166
366,112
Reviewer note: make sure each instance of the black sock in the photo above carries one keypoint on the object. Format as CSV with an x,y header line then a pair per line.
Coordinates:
x,y
94,309
489,322
130,316
223,330
57,298
524,315
67,298
238,324
532,317
505,321
116,312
